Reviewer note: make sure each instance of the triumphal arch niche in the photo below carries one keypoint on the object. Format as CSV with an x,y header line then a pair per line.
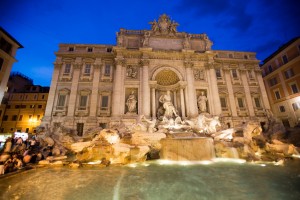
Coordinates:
x,y
158,73
167,60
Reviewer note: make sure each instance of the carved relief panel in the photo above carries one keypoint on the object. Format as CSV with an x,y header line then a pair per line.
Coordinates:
x,y
131,72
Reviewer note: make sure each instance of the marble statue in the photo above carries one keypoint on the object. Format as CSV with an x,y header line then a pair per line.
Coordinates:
x,y
202,99
168,106
186,42
131,103
146,39
154,26
150,124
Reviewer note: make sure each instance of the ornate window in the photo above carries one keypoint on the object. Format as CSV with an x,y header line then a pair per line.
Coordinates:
x,y
87,70
257,102
282,108
234,74
223,102
294,88
218,73
104,104
67,69
285,59
296,106
62,99
107,70
83,102
277,94
83,99
289,73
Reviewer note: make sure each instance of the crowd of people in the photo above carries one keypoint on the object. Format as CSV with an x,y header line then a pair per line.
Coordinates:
x,y
18,153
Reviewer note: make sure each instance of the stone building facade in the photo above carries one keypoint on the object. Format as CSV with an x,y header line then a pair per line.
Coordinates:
x,y
23,105
281,74
101,85
8,50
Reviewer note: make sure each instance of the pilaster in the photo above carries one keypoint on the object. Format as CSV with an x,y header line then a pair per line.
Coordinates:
x,y
247,92
117,85
145,88
95,87
52,91
214,89
74,86
228,81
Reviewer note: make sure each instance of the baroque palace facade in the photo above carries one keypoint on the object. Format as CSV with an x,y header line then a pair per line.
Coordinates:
x,y
101,85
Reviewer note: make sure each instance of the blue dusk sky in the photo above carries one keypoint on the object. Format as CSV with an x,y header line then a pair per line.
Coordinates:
x,y
260,26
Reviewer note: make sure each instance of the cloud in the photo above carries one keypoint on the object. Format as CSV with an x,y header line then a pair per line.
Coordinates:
x,y
231,14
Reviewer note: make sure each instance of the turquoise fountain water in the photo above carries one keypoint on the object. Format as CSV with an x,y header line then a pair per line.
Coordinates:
x,y
158,180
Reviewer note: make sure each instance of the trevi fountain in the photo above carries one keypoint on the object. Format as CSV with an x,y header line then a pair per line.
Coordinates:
x,y
163,158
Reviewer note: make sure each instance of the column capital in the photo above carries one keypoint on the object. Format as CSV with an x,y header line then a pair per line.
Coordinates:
x,y
77,65
57,65
120,61
144,62
188,64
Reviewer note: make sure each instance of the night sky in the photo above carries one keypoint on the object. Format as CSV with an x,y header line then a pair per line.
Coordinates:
x,y
261,26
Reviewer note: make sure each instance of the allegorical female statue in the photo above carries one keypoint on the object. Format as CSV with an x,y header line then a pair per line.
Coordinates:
x,y
131,103
202,99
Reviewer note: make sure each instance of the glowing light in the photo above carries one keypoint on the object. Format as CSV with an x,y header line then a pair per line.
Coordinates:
x,y
165,162
133,165
113,139
296,156
263,165
232,160
94,163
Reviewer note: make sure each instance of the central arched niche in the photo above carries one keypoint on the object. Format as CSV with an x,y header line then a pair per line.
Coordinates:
x,y
166,77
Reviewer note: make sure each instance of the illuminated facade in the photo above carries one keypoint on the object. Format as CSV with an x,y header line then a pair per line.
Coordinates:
x,y
92,84
24,109
8,49
281,74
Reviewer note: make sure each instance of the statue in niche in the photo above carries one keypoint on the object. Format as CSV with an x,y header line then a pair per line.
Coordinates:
x,y
168,106
186,42
131,103
202,99
131,72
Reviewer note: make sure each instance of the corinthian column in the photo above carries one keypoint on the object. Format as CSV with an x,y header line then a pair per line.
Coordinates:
x,y
182,103
262,89
215,91
193,110
117,88
74,86
94,97
247,93
232,104
145,89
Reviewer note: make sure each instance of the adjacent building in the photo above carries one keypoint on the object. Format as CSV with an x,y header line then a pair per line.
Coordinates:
x,y
281,74
104,85
23,106
8,49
